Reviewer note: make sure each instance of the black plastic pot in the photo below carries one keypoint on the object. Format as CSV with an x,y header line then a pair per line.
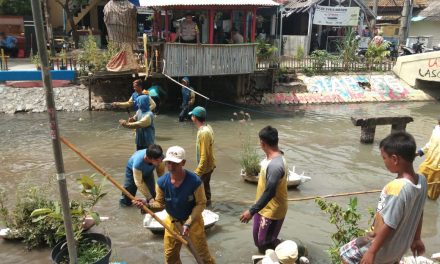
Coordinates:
x,y
59,252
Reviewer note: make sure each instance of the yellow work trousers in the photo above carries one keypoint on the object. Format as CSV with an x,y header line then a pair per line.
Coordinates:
x,y
431,176
197,236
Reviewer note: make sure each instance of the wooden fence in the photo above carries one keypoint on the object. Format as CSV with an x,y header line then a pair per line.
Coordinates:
x,y
324,65
207,60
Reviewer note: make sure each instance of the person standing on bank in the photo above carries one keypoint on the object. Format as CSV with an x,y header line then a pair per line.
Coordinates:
x,y
430,167
188,99
204,149
270,209
188,31
143,122
181,193
137,87
139,173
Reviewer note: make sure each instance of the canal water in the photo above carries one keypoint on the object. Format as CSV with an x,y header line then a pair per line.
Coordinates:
x,y
319,140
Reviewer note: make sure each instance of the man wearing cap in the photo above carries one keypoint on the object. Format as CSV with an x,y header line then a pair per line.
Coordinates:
x,y
139,173
270,209
188,99
188,31
137,87
143,122
181,193
430,167
204,149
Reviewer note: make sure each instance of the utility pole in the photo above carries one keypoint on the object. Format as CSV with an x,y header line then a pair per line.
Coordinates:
x,y
54,132
403,30
374,20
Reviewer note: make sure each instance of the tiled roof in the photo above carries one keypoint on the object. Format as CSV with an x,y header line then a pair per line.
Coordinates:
x,y
163,3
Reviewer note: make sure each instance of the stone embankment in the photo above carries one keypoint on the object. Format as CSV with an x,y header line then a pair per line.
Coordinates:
x,y
70,98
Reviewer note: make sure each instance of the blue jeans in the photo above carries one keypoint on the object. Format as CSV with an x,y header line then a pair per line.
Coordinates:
x,y
131,187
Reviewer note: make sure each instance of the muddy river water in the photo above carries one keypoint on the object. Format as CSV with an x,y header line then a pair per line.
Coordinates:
x,y
319,140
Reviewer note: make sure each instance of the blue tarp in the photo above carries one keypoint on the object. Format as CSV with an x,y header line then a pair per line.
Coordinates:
x,y
35,75
135,2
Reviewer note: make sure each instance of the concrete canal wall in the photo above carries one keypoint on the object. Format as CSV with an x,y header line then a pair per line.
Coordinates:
x,y
314,90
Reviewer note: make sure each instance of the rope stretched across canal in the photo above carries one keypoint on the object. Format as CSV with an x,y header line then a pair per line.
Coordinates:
x,y
220,102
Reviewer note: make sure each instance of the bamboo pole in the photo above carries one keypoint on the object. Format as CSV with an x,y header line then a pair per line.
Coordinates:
x,y
341,194
183,240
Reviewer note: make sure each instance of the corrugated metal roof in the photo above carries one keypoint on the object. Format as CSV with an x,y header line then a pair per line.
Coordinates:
x,y
432,12
398,3
163,3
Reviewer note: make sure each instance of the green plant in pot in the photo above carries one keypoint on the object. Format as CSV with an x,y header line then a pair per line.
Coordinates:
x,y
346,222
249,158
37,219
92,248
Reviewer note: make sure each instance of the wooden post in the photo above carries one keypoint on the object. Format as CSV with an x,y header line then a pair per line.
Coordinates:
x,y
166,25
398,127
244,25
211,26
367,133
254,23
309,31
154,23
231,25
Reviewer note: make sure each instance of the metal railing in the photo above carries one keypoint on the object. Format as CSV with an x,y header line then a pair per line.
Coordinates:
x,y
325,65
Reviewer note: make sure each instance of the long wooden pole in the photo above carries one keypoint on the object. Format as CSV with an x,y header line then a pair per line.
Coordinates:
x,y
184,241
54,132
342,194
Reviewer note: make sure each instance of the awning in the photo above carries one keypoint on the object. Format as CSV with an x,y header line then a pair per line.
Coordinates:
x,y
164,3
303,6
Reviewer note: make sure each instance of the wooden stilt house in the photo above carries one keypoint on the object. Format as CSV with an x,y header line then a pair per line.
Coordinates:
x,y
215,20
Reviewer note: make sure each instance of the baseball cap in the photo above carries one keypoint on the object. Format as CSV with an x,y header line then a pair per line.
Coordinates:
x,y
198,111
175,154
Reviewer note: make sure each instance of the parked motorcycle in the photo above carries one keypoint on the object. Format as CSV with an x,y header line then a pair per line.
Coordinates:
x,y
418,47
360,52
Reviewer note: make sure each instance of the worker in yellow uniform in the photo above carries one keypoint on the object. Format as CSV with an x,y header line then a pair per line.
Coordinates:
x,y
430,167
270,208
204,149
181,193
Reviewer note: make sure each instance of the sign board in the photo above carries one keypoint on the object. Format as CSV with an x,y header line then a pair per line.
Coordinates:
x,y
143,10
336,16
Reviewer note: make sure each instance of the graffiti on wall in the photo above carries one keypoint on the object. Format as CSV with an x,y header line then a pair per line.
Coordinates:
x,y
431,71
351,87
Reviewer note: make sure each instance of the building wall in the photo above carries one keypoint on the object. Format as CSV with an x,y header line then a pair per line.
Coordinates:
x,y
426,28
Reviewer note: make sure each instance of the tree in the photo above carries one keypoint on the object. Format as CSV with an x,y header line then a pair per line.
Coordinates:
x,y
70,7
15,7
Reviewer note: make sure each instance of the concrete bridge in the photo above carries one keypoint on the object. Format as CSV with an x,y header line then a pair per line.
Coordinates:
x,y
423,66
